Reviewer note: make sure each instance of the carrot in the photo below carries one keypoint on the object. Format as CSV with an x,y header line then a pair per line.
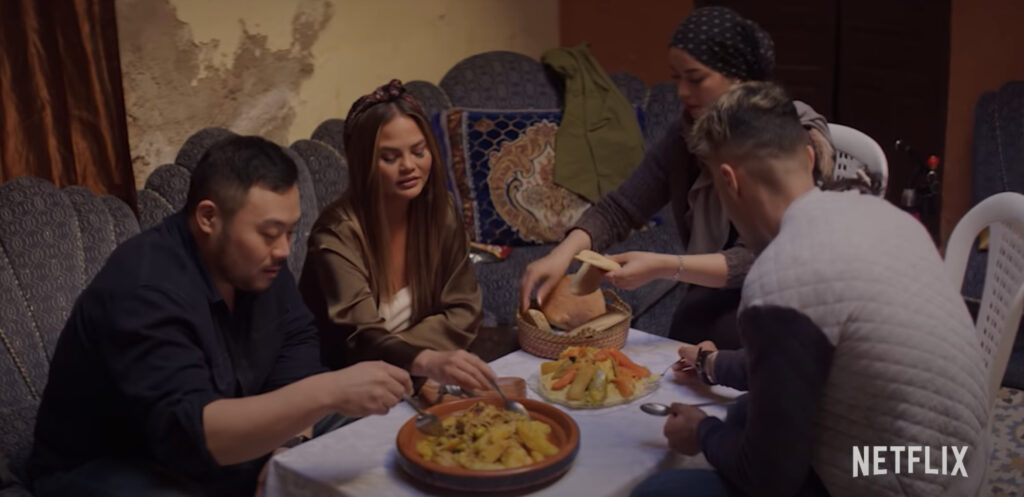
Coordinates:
x,y
601,355
620,358
626,363
625,386
564,381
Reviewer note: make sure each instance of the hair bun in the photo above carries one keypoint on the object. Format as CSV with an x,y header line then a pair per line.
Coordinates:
x,y
395,88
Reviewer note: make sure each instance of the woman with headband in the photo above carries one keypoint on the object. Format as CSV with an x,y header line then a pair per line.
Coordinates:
x,y
388,275
711,50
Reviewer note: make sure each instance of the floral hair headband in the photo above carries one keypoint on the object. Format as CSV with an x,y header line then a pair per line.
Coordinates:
x,y
391,92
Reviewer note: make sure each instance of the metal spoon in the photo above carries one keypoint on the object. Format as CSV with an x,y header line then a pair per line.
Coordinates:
x,y
656,409
425,422
510,405
457,391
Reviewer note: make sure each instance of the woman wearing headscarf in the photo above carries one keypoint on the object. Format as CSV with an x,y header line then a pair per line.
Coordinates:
x,y
711,50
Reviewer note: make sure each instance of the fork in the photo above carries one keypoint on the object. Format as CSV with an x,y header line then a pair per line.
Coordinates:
x,y
510,405
688,367
426,422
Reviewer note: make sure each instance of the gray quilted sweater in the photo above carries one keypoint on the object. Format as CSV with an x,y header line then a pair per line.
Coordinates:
x,y
906,368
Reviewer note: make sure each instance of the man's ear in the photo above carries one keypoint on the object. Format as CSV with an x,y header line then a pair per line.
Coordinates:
x,y
810,158
730,180
208,217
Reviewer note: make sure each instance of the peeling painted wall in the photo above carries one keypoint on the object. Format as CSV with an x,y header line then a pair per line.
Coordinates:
x,y
278,68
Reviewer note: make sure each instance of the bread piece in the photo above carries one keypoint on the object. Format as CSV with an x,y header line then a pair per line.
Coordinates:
x,y
588,278
597,260
567,311
598,324
539,320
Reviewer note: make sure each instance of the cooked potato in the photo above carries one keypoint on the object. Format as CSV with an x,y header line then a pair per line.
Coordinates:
x,y
534,437
550,367
580,383
486,438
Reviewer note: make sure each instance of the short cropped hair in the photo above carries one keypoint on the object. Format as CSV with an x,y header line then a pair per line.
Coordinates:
x,y
752,120
232,166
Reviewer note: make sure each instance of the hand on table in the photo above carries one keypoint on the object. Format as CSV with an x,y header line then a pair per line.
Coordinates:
x,y
681,428
456,367
371,387
686,370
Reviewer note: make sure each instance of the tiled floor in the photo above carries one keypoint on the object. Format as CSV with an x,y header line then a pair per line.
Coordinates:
x,y
1006,469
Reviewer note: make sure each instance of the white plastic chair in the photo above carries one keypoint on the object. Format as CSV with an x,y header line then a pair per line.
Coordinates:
x,y
856,151
1003,296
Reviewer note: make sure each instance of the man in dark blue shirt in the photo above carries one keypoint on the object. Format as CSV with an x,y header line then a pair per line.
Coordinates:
x,y
191,357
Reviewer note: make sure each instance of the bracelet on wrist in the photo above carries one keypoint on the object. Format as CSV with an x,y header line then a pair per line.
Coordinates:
x,y
679,268
702,363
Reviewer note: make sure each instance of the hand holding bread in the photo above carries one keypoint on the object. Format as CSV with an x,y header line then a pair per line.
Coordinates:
x,y
588,278
640,268
576,305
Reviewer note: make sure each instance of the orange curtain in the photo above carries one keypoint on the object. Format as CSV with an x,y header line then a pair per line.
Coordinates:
x,y
61,103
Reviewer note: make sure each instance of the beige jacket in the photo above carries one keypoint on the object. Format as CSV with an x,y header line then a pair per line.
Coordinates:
x,y
336,286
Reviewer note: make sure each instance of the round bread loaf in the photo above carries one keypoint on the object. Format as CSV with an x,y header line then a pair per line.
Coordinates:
x,y
567,311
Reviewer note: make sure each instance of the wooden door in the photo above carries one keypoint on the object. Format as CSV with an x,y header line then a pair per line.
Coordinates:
x,y
892,79
881,66
805,36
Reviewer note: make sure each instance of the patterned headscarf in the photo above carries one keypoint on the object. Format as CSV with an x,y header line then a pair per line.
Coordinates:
x,y
726,42
388,93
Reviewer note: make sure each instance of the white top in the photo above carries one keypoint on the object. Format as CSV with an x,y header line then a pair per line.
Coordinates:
x,y
398,311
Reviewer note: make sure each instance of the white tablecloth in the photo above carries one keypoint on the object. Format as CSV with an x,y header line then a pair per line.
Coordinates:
x,y
619,446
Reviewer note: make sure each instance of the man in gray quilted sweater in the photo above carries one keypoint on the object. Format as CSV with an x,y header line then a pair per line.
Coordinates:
x,y
863,370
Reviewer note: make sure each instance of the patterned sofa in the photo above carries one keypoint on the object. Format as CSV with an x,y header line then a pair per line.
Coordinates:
x,y
52,241
997,166
516,91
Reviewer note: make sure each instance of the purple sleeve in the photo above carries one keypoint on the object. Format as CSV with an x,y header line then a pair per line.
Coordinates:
x,y
788,361
731,368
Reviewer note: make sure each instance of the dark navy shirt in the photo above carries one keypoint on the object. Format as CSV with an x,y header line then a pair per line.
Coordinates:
x,y
149,343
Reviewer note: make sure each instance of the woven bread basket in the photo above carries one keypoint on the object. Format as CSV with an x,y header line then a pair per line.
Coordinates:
x,y
549,345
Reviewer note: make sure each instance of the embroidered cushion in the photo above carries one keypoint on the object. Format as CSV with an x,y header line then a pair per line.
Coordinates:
x,y
500,171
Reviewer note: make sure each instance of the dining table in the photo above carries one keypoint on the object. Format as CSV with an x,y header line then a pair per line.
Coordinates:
x,y
619,446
